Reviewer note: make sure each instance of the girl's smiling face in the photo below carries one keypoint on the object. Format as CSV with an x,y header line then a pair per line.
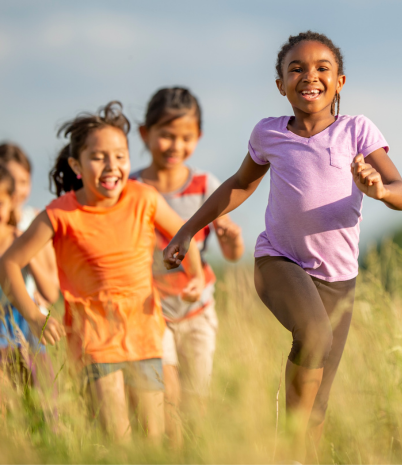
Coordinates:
x,y
310,77
22,179
104,165
171,144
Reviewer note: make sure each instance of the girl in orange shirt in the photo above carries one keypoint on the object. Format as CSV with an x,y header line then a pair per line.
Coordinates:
x,y
102,230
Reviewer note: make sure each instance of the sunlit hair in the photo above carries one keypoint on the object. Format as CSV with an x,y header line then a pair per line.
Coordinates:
x,y
11,152
77,130
170,103
313,37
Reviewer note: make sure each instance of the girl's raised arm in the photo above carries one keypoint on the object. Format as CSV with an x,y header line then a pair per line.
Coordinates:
x,y
229,195
23,249
169,222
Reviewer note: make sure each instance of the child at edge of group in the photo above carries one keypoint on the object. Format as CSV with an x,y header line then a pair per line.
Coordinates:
x,y
18,164
102,229
171,131
18,348
321,163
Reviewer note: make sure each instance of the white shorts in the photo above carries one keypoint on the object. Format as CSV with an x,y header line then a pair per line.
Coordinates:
x,y
190,345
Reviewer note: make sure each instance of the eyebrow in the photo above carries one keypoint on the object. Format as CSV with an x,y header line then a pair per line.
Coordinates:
x,y
299,62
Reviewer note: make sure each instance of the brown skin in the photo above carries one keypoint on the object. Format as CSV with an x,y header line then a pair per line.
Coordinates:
x,y
309,65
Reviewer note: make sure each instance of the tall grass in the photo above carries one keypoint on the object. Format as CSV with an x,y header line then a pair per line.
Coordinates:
x,y
363,420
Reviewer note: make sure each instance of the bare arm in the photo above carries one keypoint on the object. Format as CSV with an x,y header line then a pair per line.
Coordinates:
x,y
21,252
229,195
169,222
377,177
44,271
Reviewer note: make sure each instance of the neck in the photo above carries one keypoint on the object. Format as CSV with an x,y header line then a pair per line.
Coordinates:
x,y
309,124
92,201
165,179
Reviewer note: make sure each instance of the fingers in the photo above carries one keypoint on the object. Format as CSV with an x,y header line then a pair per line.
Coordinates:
x,y
360,169
52,332
173,255
373,178
191,294
171,259
228,230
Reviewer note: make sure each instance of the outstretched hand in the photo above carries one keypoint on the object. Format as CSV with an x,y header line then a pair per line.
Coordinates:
x,y
367,178
176,250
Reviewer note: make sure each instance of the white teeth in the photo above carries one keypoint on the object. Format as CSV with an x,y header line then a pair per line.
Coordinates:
x,y
307,92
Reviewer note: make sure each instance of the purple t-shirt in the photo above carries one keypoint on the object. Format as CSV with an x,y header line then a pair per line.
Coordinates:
x,y
314,207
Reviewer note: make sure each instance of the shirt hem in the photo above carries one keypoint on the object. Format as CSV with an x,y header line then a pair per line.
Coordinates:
x,y
330,279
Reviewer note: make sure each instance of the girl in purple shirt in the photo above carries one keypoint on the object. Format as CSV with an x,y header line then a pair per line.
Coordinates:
x,y
306,258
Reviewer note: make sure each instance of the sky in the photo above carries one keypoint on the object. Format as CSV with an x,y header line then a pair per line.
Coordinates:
x,y
59,57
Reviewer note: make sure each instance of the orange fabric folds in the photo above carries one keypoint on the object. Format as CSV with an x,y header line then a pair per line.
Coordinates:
x,y
104,259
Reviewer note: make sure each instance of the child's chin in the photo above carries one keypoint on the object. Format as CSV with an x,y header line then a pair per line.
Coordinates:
x,y
112,193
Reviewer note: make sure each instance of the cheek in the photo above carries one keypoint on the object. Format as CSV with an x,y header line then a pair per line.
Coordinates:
x,y
190,147
162,145
91,171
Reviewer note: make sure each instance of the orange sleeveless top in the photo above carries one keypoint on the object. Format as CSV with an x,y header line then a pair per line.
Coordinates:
x,y
104,260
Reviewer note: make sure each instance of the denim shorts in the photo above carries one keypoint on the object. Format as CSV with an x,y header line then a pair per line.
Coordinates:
x,y
144,375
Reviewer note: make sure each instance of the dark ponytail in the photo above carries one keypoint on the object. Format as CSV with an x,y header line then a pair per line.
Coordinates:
x,y
170,103
78,129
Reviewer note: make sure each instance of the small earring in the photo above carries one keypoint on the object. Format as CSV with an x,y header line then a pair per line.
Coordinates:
x,y
79,176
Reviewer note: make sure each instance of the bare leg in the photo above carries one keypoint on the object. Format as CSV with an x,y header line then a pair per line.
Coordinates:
x,y
302,385
110,402
150,413
314,434
172,406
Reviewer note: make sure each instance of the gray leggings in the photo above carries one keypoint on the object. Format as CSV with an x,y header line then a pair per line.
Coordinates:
x,y
317,312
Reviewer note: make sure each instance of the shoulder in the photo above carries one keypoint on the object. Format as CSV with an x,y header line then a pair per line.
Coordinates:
x,y
138,190
206,181
272,123
64,202
357,121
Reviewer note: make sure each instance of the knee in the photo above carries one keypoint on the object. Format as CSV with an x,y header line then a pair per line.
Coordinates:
x,y
318,412
311,346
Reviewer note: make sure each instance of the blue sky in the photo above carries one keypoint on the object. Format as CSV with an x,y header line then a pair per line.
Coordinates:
x,y
61,57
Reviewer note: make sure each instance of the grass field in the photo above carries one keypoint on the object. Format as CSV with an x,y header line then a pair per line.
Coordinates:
x,y
363,420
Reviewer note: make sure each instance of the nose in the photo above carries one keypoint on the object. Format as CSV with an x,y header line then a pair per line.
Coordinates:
x,y
310,75
177,144
111,163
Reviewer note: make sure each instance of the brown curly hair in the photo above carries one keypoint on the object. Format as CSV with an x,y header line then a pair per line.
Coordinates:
x,y
314,37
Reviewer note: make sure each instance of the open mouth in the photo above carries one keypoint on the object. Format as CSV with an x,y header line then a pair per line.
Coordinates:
x,y
172,159
110,182
311,94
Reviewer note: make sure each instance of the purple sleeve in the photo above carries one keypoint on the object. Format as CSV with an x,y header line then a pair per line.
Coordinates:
x,y
369,137
255,147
